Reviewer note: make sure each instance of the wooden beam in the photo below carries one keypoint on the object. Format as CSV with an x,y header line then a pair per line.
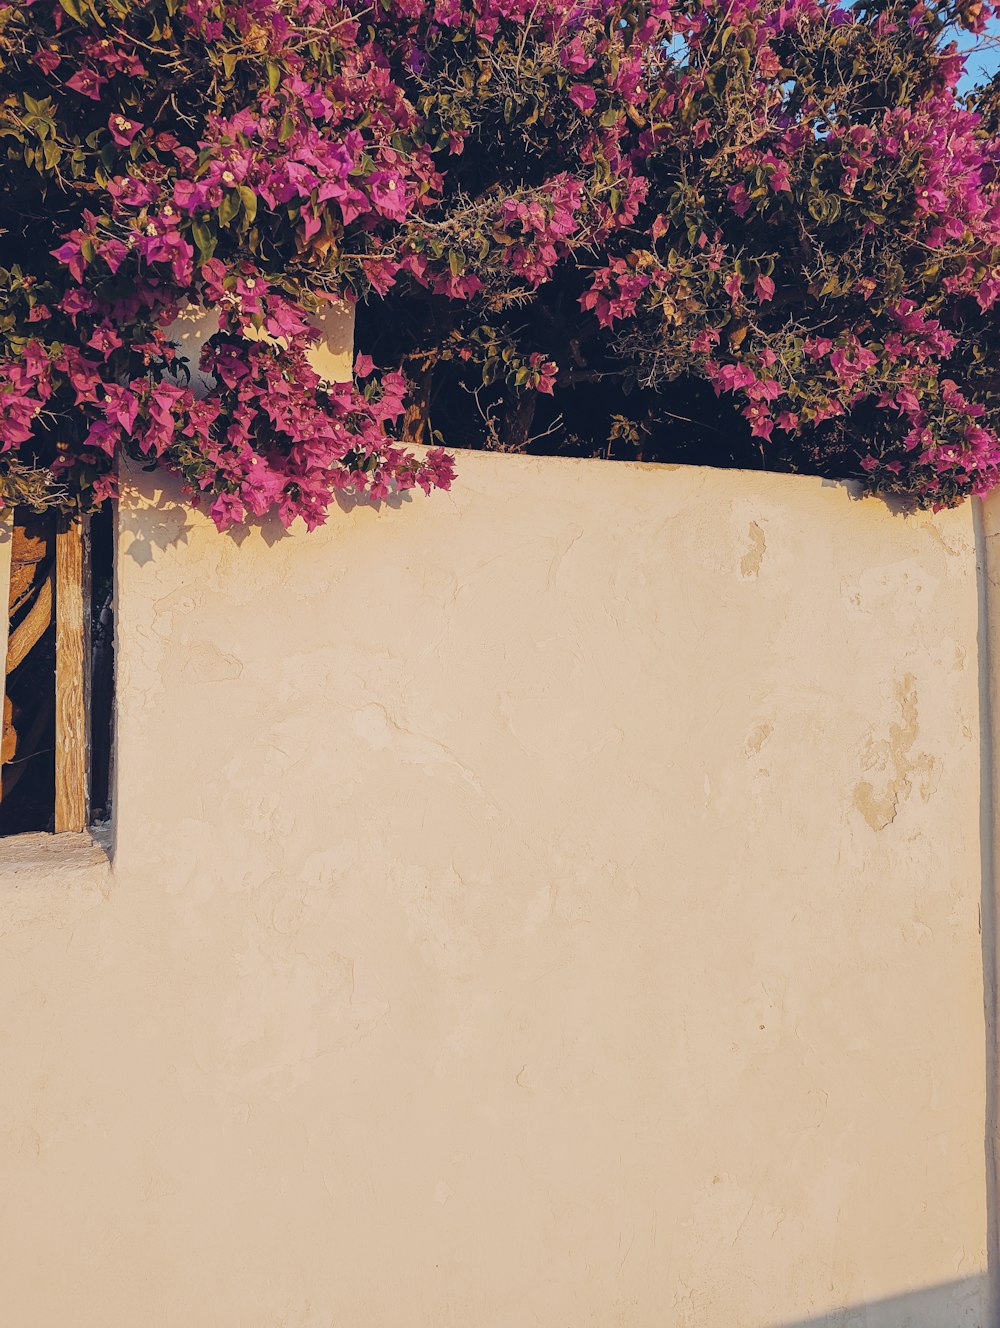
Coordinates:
x,y
33,626
72,675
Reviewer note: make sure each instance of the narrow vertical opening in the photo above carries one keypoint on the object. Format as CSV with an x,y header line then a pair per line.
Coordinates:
x,y
102,638
55,761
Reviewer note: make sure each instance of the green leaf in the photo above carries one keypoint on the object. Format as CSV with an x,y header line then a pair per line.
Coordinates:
x,y
204,238
249,200
716,80
273,75
229,207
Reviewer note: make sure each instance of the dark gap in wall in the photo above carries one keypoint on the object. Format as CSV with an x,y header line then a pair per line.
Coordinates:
x,y
461,395
102,638
28,755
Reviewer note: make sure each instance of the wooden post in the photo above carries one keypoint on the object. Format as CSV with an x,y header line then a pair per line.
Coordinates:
x,y
72,675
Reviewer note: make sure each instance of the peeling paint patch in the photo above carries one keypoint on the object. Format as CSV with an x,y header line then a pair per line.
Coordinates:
x,y
205,662
758,737
754,556
878,811
892,765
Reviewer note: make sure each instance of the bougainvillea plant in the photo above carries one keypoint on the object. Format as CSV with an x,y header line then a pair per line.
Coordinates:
x,y
716,229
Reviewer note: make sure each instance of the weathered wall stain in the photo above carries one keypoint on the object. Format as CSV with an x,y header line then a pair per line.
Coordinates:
x,y
754,556
893,764
758,737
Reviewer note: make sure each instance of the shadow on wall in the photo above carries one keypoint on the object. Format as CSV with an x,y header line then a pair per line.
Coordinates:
x,y
166,519
963,1304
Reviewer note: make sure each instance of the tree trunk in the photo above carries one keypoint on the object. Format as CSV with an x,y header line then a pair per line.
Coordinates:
x,y
416,421
518,417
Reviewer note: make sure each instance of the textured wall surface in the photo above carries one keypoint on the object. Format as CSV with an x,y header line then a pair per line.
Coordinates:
x,y
553,903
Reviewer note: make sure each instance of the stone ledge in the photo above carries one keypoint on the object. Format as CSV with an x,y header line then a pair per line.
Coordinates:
x,y
40,852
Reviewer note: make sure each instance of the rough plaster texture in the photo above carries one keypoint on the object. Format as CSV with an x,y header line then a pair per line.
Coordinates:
x,y
554,903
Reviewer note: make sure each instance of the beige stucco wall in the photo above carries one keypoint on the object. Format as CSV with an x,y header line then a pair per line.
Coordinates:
x,y
549,904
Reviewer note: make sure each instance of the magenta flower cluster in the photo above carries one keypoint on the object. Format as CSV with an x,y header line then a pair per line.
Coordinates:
x,y
269,172
828,260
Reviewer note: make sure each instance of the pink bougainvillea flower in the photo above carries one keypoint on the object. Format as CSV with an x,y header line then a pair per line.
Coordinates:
x,y
77,301
123,130
104,436
575,58
71,254
227,511
87,82
389,193
104,339
120,406
127,191
47,60
739,199
105,487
